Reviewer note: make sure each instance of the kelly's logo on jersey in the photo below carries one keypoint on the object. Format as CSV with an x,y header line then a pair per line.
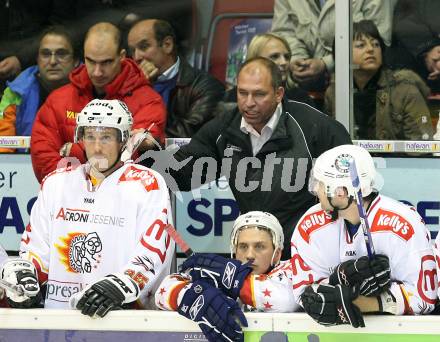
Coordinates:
x,y
312,222
386,220
146,177
79,252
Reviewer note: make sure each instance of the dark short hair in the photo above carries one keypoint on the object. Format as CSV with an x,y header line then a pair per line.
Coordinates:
x,y
364,28
58,30
369,29
163,29
274,70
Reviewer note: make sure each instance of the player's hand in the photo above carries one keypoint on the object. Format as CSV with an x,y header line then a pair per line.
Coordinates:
x,y
23,273
332,305
218,316
225,274
150,71
65,149
9,67
141,140
371,276
307,69
432,62
106,294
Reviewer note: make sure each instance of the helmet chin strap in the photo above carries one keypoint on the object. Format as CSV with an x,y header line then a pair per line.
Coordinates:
x,y
336,209
272,260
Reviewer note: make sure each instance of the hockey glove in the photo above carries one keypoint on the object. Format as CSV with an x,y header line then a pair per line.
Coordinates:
x,y
371,276
218,316
332,305
106,294
387,302
226,274
22,273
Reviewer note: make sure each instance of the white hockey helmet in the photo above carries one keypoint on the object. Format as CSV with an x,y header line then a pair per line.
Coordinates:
x,y
332,170
105,113
258,219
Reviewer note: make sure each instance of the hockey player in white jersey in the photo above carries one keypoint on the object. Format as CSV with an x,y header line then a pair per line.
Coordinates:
x,y
340,282
437,259
255,277
96,236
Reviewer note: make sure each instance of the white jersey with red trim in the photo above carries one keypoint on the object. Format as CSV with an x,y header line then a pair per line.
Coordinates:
x,y
437,259
320,244
271,292
78,234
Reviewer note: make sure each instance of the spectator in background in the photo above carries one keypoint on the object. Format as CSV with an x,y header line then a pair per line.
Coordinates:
x,y
275,48
417,45
388,105
309,28
107,74
190,95
416,28
21,22
57,56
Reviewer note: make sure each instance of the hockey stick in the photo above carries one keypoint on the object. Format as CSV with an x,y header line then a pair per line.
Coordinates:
x,y
16,289
126,155
361,210
186,249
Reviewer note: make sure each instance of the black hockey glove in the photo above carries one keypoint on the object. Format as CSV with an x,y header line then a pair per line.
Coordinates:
x,y
22,273
106,294
218,316
226,274
371,276
332,305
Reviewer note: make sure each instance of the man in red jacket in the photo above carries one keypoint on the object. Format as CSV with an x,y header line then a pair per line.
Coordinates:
x,y
107,74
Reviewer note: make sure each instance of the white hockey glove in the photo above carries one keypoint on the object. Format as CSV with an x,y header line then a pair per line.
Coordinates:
x,y
387,302
106,294
22,273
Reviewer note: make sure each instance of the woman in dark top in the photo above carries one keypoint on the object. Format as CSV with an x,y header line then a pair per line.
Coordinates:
x,y
387,104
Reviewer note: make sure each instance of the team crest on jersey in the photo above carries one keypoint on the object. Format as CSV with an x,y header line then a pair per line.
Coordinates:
x,y
342,163
386,220
79,252
146,177
312,222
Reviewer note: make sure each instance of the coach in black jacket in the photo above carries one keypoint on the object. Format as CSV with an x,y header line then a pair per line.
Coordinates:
x,y
264,147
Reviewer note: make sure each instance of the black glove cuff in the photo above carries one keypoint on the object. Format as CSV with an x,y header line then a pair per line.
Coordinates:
x,y
109,290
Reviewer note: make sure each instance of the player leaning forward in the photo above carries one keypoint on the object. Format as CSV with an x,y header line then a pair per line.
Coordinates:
x,y
207,288
96,235
401,277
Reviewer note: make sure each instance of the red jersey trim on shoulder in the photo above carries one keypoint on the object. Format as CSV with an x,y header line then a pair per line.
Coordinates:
x,y
386,220
311,222
145,176
70,167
